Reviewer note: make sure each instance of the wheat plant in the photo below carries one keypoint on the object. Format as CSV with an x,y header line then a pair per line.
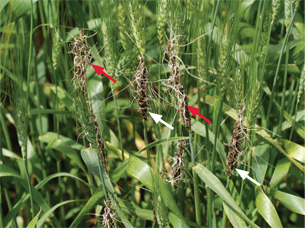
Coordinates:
x,y
80,150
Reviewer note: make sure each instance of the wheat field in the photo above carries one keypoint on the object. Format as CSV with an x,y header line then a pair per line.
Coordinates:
x,y
83,81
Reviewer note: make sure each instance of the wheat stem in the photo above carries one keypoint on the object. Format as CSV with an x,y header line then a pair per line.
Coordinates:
x,y
146,142
278,69
26,108
120,133
284,90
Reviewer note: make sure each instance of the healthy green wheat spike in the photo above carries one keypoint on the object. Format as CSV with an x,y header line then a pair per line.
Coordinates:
x,y
221,76
254,104
296,4
108,49
288,9
276,6
302,83
180,26
265,31
55,49
201,65
137,24
162,12
238,89
122,26
20,122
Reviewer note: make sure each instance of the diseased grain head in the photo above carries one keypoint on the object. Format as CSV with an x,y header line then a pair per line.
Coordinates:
x,y
175,82
82,59
235,145
177,168
141,80
84,114
108,216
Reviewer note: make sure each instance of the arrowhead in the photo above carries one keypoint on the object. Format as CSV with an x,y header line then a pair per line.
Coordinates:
x,y
193,110
98,69
156,117
242,173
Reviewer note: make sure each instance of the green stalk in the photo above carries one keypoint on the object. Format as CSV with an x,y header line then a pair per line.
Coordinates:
x,y
5,131
146,142
159,157
40,132
120,133
278,68
209,162
290,97
294,120
26,108
134,124
102,176
196,184
215,9
296,110
3,180
284,89
216,126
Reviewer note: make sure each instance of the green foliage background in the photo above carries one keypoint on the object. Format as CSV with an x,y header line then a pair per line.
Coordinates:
x,y
252,56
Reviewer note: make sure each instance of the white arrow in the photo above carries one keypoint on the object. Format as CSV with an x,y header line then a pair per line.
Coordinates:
x,y
244,174
157,119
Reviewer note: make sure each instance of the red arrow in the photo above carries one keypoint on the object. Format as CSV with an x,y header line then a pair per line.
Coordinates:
x,y
195,111
100,70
